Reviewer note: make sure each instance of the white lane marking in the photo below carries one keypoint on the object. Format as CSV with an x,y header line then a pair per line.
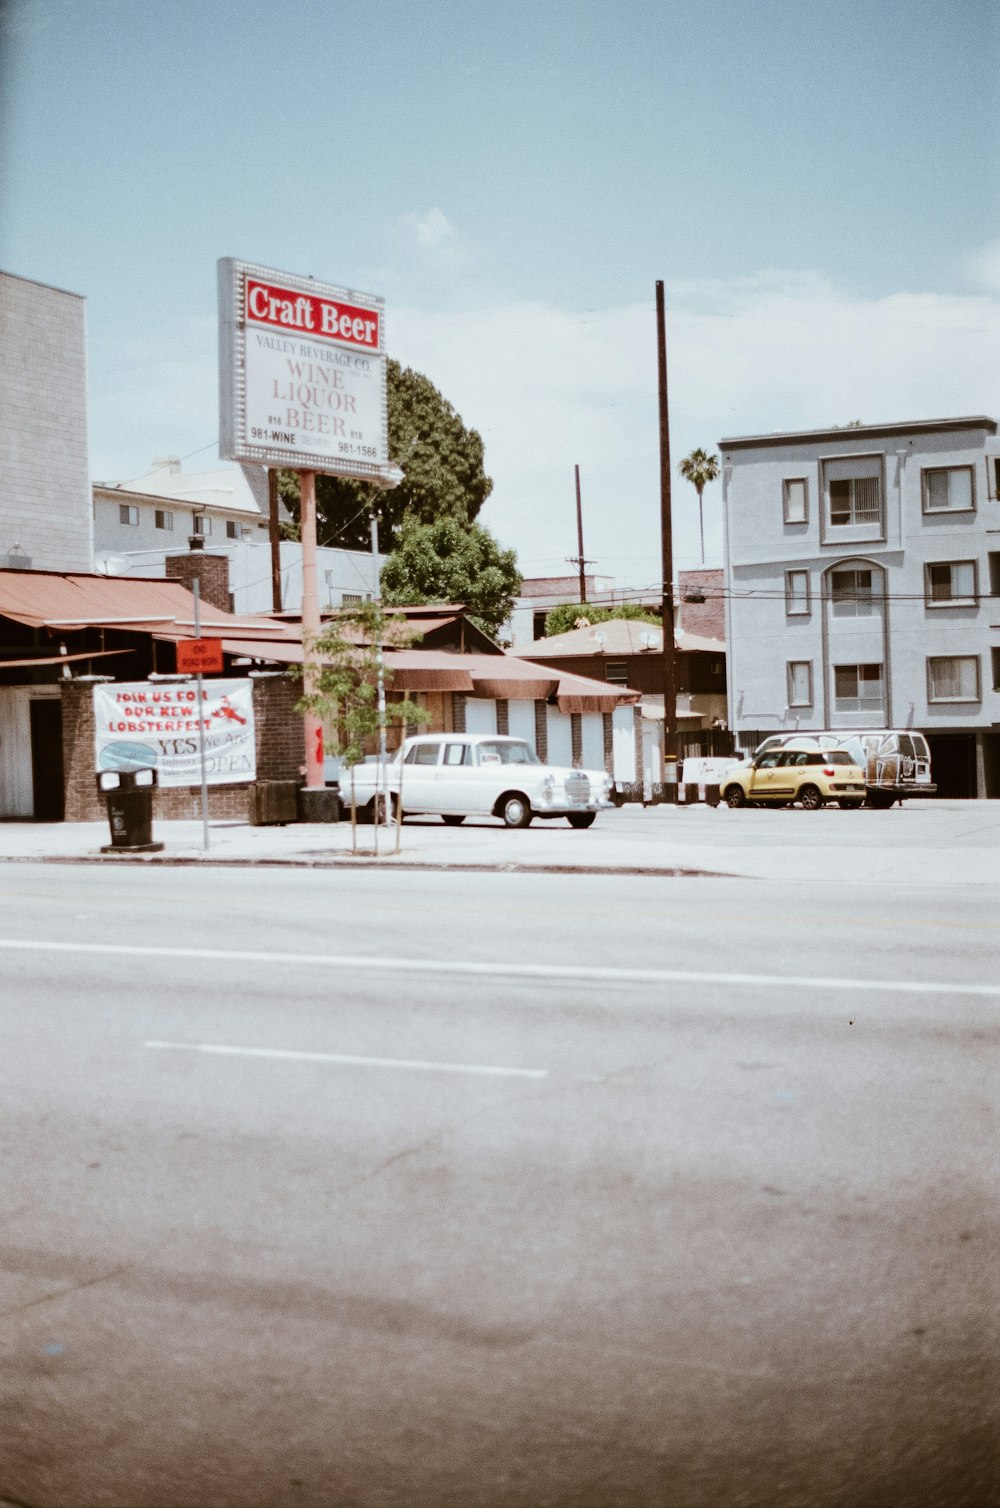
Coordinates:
x,y
351,1062
504,970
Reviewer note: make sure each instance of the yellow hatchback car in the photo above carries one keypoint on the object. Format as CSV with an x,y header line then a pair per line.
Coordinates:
x,y
810,776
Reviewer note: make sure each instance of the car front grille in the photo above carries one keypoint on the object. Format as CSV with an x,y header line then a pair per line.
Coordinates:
x,y
578,788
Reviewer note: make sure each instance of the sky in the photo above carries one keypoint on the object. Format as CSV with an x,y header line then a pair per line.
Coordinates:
x,y
815,183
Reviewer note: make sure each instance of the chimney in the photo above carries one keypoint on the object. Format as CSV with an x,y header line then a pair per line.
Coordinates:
x,y
211,570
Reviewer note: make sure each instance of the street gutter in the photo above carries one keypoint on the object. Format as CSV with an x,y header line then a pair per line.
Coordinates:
x,y
153,861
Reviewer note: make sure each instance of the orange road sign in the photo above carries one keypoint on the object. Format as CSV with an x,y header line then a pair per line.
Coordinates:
x,y
199,656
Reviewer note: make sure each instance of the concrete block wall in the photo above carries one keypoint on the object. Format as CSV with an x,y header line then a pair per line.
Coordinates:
x,y
45,501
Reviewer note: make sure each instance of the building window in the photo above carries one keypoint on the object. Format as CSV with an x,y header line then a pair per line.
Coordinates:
x,y
857,688
855,500
796,592
351,599
953,678
616,671
995,657
994,565
503,715
949,583
202,524
232,529
164,519
795,498
852,593
127,514
800,683
948,489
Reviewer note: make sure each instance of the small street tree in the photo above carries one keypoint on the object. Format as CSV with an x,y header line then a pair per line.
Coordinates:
x,y
344,665
700,468
451,562
443,471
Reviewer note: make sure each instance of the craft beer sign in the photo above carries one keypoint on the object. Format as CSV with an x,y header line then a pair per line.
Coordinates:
x,y
302,379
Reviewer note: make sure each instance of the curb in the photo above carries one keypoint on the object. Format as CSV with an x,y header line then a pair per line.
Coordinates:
x,y
413,866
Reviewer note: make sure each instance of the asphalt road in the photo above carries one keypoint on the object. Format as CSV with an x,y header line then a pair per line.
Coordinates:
x,y
437,1191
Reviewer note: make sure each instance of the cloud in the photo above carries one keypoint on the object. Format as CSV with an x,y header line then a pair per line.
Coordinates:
x,y
549,388
984,266
429,229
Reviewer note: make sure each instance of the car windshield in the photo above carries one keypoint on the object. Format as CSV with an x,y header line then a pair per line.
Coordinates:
x,y
506,752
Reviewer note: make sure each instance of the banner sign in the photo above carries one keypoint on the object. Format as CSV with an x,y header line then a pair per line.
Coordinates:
x,y
160,724
302,374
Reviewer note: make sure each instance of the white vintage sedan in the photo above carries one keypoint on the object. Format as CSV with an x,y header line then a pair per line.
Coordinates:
x,y
459,775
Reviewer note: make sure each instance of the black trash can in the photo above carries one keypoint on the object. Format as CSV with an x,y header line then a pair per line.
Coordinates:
x,y
129,798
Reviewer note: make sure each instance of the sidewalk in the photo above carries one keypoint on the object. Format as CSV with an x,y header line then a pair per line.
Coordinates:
x,y
920,843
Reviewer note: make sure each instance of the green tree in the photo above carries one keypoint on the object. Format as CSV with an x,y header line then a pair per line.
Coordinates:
x,y
442,461
700,468
343,665
450,562
563,618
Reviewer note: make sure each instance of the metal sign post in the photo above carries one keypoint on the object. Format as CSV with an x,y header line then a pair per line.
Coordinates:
x,y
196,594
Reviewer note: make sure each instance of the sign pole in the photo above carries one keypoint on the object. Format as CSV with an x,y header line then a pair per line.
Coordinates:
x,y
310,627
380,663
274,532
666,542
196,594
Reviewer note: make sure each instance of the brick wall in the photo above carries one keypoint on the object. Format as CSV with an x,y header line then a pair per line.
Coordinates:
x,y
280,755
211,570
706,618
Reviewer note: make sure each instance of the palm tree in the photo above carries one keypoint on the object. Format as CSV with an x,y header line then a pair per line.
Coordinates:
x,y
699,468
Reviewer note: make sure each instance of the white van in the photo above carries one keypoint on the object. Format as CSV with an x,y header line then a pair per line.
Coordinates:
x,y
896,761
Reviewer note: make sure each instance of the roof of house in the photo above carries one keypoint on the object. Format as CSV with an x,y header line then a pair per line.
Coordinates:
x,y
71,600
165,610
618,636
230,488
861,432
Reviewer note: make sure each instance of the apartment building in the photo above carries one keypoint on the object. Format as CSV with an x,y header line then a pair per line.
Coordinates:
x,y
863,587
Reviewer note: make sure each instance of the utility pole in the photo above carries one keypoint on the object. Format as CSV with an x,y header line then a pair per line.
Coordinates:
x,y
667,570
578,558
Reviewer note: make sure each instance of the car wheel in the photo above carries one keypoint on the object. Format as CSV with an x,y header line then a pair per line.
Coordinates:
x,y
811,798
735,797
515,810
452,819
850,806
581,819
378,809
880,801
